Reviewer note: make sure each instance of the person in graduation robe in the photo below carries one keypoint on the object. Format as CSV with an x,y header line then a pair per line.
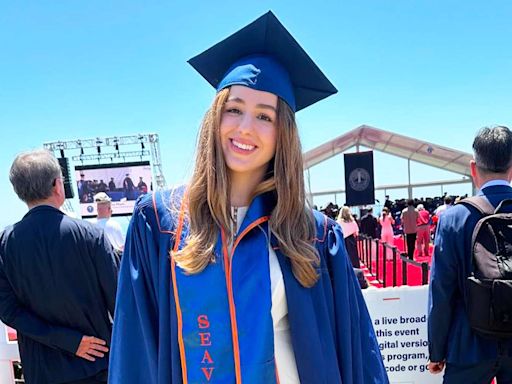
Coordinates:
x,y
232,278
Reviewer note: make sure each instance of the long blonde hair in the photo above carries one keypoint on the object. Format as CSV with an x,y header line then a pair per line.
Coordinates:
x,y
208,197
345,215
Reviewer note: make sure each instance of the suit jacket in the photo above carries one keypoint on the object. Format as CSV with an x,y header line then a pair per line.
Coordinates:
x,y
369,225
57,283
449,332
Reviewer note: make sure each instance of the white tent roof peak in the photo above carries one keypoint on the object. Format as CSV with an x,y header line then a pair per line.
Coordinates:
x,y
394,144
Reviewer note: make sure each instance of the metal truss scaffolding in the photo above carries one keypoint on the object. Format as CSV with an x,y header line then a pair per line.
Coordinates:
x,y
111,149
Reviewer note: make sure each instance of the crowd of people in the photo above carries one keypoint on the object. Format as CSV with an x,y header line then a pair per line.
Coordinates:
x,y
66,321
233,278
433,205
468,328
409,217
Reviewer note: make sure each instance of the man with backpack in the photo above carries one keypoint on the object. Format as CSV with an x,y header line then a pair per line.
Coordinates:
x,y
470,292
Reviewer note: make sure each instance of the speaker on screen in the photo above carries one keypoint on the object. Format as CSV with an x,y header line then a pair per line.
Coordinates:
x,y
64,165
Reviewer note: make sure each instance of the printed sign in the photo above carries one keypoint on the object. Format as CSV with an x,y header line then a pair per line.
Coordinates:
x,y
399,318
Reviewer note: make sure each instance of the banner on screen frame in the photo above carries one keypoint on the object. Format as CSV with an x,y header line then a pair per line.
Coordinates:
x,y
359,181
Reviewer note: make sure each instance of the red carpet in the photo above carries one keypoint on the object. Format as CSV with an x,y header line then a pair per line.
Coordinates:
x,y
376,274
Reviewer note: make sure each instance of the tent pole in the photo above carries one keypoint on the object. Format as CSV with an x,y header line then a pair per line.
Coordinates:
x,y
409,187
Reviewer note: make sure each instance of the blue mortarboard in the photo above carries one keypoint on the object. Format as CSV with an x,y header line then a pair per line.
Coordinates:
x,y
265,56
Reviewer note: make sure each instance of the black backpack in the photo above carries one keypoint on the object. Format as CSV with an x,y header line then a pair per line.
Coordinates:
x,y
489,286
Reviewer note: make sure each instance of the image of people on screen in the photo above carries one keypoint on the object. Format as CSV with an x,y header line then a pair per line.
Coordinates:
x,y
112,185
102,187
84,189
123,183
142,186
129,188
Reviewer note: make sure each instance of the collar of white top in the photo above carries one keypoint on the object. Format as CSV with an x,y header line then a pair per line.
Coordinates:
x,y
238,213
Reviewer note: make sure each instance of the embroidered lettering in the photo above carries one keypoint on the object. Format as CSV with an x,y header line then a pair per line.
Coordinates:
x,y
207,359
202,322
207,372
205,339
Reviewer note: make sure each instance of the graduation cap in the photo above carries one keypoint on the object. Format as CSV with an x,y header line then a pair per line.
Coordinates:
x,y
265,56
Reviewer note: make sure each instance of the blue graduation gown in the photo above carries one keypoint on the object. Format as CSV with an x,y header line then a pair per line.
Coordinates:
x,y
332,334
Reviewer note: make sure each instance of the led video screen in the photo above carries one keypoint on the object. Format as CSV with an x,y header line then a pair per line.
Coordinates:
x,y
122,182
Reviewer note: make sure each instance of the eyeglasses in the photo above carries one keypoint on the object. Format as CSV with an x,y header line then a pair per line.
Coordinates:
x,y
55,181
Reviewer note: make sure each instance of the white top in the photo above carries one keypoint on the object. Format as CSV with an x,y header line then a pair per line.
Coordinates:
x,y
283,349
112,230
349,228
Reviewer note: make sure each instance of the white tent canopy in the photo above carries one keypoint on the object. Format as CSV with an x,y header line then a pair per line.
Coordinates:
x,y
394,144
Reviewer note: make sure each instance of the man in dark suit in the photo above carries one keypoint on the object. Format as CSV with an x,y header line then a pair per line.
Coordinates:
x,y
388,203
369,224
469,358
111,185
142,186
58,281
83,189
128,187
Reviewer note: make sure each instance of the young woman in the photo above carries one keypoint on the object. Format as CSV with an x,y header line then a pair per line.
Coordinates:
x,y
423,232
350,233
386,233
232,279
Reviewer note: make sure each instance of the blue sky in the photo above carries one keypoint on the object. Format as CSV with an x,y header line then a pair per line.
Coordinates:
x,y
435,70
